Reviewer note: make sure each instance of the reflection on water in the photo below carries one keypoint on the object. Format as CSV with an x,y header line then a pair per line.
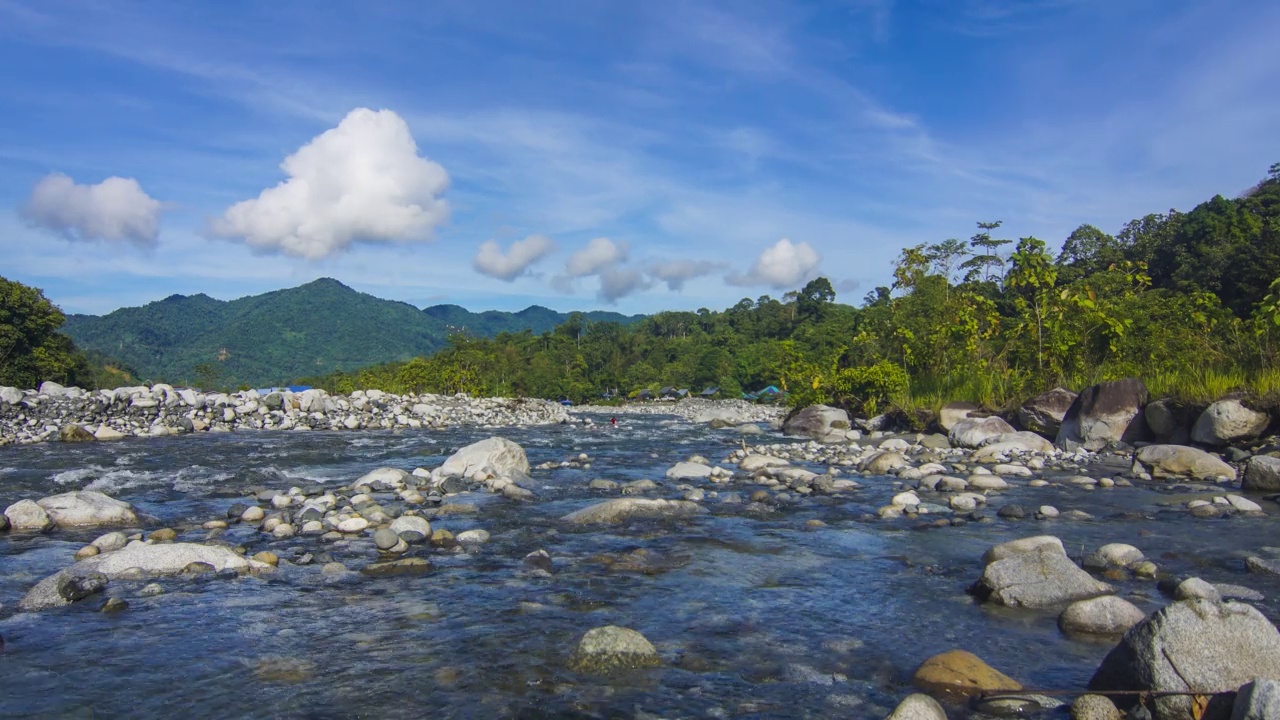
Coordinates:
x,y
755,615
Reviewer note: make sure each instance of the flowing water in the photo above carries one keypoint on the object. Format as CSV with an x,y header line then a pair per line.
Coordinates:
x,y
755,613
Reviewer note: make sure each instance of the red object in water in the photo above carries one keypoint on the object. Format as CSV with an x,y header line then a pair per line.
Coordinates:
x,y
613,421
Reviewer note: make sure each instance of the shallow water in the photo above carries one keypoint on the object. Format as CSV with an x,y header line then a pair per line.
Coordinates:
x,y
755,615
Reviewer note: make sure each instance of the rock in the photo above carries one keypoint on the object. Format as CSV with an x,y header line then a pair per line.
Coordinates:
x,y
266,557
1169,421
1262,474
87,551
1105,413
411,528
1120,554
165,559
28,516
73,588
1018,442
62,588
106,432
753,462
403,566
987,482
1021,546
973,432
961,673
72,433
496,457
1260,566
621,509
86,508
1095,707
1243,504
386,538
162,535
817,421
1196,646
918,706
253,514
1012,511
1043,413
10,396
688,471
1180,461
1257,700
1106,615
1227,421
1040,579
539,559
114,605
353,525
882,463
954,412
383,478
111,542
610,648
1196,589
472,537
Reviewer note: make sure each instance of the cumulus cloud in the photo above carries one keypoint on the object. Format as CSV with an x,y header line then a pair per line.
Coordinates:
x,y
599,255
675,273
619,282
491,261
362,181
115,209
782,266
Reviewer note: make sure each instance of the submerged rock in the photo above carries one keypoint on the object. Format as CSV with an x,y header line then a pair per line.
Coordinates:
x,y
614,511
1035,573
609,648
958,672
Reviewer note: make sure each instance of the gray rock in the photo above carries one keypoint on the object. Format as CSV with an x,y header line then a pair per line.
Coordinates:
x,y
918,706
386,539
1262,474
817,421
1227,421
1197,646
973,432
1106,615
1094,707
1257,700
411,528
1021,546
1043,413
1105,413
1042,578
27,515
610,648
10,396
1169,421
954,412
1262,566
86,508
73,433
622,509
1195,588
494,457
110,542
688,471
1179,461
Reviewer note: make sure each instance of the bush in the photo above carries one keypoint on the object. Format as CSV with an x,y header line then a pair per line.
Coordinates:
x,y
870,387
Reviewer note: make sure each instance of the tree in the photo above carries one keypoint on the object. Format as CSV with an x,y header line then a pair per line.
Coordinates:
x,y
814,298
31,348
1087,250
986,262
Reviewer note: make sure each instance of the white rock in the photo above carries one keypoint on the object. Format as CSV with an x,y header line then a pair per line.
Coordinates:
x,y
87,508
27,515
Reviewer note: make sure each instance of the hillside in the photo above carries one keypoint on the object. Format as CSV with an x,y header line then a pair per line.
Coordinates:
x,y
272,338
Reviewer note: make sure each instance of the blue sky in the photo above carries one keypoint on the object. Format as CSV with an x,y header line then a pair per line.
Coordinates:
x,y
635,156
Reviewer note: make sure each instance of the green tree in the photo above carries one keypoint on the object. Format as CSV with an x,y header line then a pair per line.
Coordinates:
x,y
31,348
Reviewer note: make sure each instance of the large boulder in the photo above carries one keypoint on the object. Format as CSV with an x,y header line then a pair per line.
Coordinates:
x,y
10,396
973,432
958,672
1018,442
494,457
609,648
1180,461
1262,474
688,471
1043,413
1169,421
86,508
1195,646
27,515
1042,576
1105,413
73,433
821,422
62,588
954,412
1227,421
622,509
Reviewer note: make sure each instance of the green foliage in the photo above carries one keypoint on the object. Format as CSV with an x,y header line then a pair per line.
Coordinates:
x,y
31,348
871,387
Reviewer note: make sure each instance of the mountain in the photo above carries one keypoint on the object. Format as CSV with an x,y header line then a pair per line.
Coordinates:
x,y
279,336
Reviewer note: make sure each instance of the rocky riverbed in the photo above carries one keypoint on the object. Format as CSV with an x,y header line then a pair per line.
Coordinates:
x,y
659,568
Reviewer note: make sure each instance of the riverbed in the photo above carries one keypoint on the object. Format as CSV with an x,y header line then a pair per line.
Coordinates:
x,y
755,609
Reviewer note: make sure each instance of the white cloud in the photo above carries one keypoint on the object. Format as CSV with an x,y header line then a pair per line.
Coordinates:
x,y
491,261
782,266
115,209
619,282
362,181
675,273
599,254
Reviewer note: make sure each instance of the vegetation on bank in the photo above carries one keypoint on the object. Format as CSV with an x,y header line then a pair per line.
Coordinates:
x,y
31,348
1190,302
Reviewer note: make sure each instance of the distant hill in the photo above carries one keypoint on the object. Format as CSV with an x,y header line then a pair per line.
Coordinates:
x,y
282,335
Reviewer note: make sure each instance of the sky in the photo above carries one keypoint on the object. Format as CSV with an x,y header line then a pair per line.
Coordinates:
x,y
633,156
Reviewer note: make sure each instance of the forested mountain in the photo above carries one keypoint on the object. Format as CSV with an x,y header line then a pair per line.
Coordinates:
x,y
273,338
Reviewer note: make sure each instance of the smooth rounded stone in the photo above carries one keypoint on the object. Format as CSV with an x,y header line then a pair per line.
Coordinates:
x,y
164,559
333,568
384,477
905,499
403,566
111,542
1192,646
107,433
472,537
253,514
688,471
1012,511
638,486
884,462
214,525
1048,512
918,706
1040,579
271,523
87,551
411,528
1094,707
1195,588
1243,504
266,557
386,538
817,421
1105,413
966,502
162,535
1262,566
1106,615
1008,444
610,648
493,457
602,484
27,516
442,538
954,412
1021,546
1238,592
619,510
151,590
1146,570
73,433
1262,474
1257,700
198,568
74,588
1179,461
114,605
283,531
313,527
1010,469
1120,554
353,525
539,559
753,462
960,673
280,502
1227,421
972,432
236,510
1207,511
987,482
695,495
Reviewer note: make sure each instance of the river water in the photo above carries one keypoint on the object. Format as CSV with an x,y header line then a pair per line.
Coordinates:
x,y
755,614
